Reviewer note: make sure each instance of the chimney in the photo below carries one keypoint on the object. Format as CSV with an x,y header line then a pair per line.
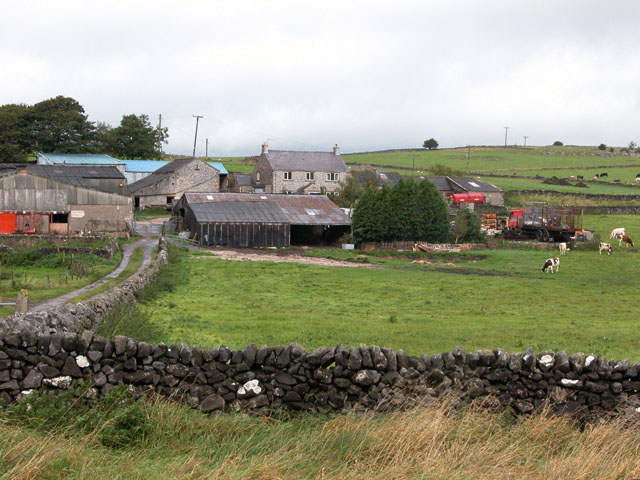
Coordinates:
x,y
336,149
265,147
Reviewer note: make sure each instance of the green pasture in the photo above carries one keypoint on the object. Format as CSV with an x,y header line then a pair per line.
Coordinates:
x,y
501,300
518,183
496,158
625,174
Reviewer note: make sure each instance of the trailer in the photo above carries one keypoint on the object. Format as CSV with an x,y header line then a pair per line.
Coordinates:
x,y
544,222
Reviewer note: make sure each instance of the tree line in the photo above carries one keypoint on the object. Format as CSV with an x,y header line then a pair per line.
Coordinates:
x,y
60,125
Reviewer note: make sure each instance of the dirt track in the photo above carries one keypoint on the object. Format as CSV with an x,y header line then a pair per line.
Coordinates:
x,y
291,258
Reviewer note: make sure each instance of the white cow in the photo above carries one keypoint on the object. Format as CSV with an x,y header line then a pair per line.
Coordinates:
x,y
550,263
605,246
563,248
618,232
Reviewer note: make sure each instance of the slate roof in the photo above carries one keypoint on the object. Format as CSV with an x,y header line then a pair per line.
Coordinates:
x,y
79,158
168,168
283,160
264,208
475,185
441,183
242,179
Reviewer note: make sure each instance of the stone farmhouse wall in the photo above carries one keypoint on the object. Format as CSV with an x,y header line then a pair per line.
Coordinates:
x,y
58,350
274,182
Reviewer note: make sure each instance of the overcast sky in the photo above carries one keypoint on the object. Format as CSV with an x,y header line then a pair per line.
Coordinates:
x,y
367,75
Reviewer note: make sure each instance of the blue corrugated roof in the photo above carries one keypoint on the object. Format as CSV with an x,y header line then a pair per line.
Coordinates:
x,y
80,158
218,166
143,165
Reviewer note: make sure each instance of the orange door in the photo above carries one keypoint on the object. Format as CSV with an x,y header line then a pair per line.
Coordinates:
x,y
7,222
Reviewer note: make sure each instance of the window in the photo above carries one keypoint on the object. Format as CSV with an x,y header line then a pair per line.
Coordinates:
x,y
309,176
287,176
170,199
332,177
257,176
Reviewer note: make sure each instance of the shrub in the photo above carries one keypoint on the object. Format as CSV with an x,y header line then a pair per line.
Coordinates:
x,y
558,143
468,227
602,146
440,170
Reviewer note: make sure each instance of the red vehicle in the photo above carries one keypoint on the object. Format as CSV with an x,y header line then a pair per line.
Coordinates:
x,y
544,222
471,197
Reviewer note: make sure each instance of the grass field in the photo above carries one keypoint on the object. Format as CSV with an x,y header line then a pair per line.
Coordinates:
x,y
127,439
516,183
496,158
33,277
500,299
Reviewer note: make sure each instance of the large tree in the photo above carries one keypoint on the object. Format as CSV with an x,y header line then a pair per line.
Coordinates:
x,y
407,211
136,138
13,133
59,125
430,144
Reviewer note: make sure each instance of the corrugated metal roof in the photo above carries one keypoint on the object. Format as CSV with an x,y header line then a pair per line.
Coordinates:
x,y
79,158
305,161
258,208
143,165
218,166
75,174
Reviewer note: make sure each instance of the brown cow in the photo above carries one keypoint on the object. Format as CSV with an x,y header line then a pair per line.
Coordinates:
x,y
626,239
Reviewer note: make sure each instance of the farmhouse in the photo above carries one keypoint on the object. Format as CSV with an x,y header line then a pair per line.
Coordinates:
x,y
170,181
31,203
266,220
450,185
280,171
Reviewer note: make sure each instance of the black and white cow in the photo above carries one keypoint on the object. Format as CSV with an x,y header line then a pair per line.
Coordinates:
x,y
550,263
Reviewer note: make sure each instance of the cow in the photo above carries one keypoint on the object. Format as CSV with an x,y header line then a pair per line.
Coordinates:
x,y
626,240
638,175
617,232
595,177
581,177
550,263
603,174
605,246
616,180
563,248
638,180
572,178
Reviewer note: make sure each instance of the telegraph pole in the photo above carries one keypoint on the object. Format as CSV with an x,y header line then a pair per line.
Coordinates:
x,y
414,163
195,139
506,129
206,150
525,140
160,130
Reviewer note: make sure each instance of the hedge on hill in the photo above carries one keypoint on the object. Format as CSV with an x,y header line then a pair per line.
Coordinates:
x,y
407,211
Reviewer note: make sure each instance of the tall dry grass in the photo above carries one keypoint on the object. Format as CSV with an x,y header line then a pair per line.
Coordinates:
x,y
428,442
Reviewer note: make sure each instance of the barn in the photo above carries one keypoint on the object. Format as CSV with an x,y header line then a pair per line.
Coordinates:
x,y
30,203
260,220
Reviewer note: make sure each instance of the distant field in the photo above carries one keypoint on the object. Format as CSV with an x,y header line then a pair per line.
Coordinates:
x,y
515,183
496,158
625,174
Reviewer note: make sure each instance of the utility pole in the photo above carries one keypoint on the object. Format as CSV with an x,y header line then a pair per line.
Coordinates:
x,y
468,155
159,130
525,140
414,164
206,150
506,129
195,139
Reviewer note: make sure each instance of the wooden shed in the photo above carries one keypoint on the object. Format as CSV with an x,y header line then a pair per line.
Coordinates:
x,y
260,220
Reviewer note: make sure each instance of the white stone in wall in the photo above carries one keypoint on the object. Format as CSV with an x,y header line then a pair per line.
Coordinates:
x,y
250,386
82,361
589,360
63,381
546,360
569,383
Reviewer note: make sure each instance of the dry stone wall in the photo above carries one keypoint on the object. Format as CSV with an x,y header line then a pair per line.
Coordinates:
x,y
325,379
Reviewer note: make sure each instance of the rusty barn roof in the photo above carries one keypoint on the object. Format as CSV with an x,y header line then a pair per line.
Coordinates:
x,y
264,208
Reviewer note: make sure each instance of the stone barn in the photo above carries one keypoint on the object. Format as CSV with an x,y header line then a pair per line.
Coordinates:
x,y
30,203
169,182
255,220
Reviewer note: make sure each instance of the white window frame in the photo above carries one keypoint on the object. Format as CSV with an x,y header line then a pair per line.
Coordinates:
x,y
257,176
332,177
310,176
287,176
